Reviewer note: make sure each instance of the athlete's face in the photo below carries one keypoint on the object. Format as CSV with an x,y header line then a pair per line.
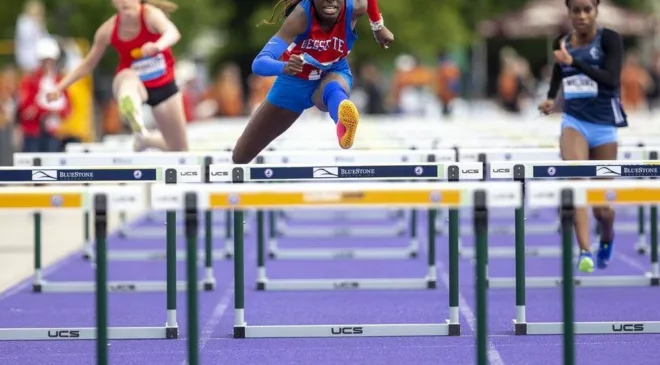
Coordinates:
x,y
583,15
128,7
328,9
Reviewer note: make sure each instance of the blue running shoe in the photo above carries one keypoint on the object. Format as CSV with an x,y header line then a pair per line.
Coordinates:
x,y
586,262
605,253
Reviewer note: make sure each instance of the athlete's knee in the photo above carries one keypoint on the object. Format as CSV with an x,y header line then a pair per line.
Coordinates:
x,y
603,213
239,155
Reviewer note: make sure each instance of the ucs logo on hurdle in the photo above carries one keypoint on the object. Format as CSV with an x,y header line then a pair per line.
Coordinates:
x,y
628,327
63,334
347,330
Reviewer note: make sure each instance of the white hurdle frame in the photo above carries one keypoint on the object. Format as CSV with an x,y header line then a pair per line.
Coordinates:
x,y
58,198
332,195
102,176
145,159
486,155
529,170
545,194
332,158
347,172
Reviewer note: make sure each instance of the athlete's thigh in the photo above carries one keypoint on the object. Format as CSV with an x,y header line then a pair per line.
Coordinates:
x,y
344,78
171,120
266,124
128,78
573,143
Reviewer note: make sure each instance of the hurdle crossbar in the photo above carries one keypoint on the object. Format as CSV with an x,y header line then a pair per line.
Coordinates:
x,y
331,195
99,200
569,195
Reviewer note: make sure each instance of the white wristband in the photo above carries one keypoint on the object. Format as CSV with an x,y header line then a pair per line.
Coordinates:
x,y
376,26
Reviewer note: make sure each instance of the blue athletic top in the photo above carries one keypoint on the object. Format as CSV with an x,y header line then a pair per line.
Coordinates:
x,y
591,85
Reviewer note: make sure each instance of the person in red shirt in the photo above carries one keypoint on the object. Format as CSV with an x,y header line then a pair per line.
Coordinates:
x,y
38,118
142,35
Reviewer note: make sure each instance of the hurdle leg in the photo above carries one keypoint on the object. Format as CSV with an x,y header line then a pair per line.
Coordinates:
x,y
431,277
209,277
414,243
454,251
520,323
480,218
239,277
567,217
261,252
192,226
655,268
101,233
228,235
642,244
272,229
38,279
171,325
87,244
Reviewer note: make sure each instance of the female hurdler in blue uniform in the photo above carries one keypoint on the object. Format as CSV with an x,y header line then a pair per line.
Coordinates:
x,y
308,56
588,65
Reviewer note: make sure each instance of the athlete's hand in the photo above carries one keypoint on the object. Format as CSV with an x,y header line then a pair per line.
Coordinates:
x,y
562,56
547,106
384,37
294,65
149,49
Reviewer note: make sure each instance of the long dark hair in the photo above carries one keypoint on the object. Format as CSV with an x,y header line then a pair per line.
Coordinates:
x,y
568,3
276,18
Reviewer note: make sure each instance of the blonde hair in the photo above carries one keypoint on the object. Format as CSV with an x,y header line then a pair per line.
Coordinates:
x,y
166,6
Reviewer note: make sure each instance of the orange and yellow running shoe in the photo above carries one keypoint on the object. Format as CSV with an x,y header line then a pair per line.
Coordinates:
x,y
347,124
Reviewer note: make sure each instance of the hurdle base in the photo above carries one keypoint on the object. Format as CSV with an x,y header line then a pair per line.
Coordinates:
x,y
519,328
510,252
595,328
347,284
347,330
593,282
113,286
84,333
171,333
159,255
343,254
136,233
331,232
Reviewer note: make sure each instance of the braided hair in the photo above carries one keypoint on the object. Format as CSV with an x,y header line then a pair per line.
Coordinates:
x,y
568,3
289,5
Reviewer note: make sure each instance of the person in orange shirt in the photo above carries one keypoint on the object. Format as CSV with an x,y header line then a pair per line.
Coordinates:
x,y
448,82
259,87
226,93
635,83
410,85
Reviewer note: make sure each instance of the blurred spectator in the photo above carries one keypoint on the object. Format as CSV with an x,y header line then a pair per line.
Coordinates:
x,y
40,120
259,86
368,93
508,85
7,114
30,28
635,83
412,83
448,82
186,78
225,96
653,94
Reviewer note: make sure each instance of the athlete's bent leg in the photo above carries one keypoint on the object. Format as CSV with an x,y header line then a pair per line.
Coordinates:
x,y
332,96
171,120
267,123
130,93
605,215
574,146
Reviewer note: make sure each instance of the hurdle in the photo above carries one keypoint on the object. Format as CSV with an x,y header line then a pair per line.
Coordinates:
x,y
99,200
113,175
568,195
145,159
486,155
523,171
327,158
239,197
352,172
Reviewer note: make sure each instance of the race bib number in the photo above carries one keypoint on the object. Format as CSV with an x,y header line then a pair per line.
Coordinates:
x,y
150,68
580,87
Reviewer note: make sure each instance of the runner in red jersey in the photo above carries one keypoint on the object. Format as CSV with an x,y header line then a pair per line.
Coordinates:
x,y
308,56
142,35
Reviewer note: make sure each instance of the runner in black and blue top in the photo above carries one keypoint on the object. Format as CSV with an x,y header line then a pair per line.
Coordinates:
x,y
588,67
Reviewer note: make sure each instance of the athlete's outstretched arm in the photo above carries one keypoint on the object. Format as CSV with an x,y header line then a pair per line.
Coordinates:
x,y
370,7
267,62
101,42
610,75
169,33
